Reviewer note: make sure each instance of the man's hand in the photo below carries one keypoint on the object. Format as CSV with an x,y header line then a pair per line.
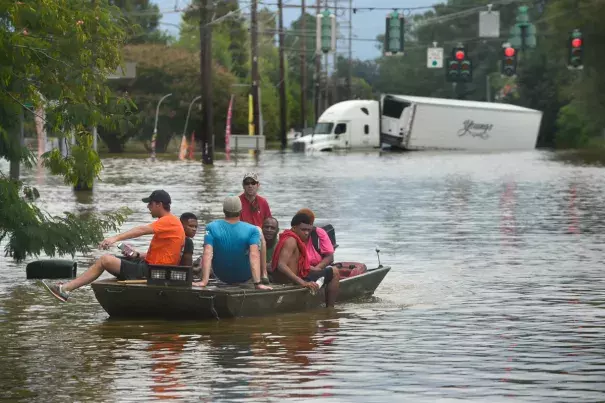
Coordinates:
x,y
315,268
107,242
263,287
312,285
199,284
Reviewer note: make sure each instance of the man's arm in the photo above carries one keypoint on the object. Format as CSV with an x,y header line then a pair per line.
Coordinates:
x,y
268,210
263,254
326,261
326,248
284,257
206,266
255,262
187,258
133,233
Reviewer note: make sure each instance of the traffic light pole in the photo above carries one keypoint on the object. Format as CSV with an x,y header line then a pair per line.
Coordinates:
x,y
206,83
334,80
254,65
283,105
317,72
326,85
303,69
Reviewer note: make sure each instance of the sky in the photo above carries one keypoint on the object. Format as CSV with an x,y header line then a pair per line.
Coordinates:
x,y
367,24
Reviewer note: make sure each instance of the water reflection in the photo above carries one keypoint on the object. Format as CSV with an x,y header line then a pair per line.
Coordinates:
x,y
496,289
283,356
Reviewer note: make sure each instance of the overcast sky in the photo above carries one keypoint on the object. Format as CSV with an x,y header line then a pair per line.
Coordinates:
x,y
366,23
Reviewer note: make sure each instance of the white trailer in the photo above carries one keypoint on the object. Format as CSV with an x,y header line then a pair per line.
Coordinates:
x,y
420,123
345,125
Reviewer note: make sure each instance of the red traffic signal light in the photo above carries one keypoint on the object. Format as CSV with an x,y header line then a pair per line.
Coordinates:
x,y
460,55
576,42
509,52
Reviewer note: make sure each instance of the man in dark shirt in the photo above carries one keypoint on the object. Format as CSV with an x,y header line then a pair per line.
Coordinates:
x,y
189,221
270,233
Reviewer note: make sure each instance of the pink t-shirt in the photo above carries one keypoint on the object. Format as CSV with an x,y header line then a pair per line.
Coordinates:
x,y
325,246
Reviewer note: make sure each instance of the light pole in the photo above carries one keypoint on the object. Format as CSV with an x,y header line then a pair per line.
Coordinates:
x,y
155,128
188,112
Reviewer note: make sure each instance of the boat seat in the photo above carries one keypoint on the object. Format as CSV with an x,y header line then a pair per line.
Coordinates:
x,y
170,275
350,269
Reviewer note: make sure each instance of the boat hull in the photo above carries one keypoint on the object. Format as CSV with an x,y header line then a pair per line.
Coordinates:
x,y
223,301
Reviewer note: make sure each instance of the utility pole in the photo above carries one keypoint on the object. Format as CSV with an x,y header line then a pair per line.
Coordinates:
x,y
206,83
303,69
326,85
317,72
350,71
282,77
334,78
254,65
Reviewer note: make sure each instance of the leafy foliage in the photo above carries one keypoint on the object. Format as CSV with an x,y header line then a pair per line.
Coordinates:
x,y
31,231
142,21
56,54
162,70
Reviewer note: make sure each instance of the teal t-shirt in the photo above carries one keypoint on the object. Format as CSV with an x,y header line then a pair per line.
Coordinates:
x,y
231,249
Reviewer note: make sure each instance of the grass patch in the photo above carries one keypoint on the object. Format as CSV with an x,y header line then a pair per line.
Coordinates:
x,y
591,154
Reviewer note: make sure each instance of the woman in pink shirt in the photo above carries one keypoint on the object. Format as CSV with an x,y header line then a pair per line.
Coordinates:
x,y
325,256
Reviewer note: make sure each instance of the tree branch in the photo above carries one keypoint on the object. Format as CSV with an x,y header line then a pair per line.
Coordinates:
x,y
22,105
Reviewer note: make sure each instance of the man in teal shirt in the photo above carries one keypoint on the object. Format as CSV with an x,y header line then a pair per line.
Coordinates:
x,y
232,249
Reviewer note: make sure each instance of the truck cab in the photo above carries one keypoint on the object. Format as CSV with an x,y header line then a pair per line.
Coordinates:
x,y
345,125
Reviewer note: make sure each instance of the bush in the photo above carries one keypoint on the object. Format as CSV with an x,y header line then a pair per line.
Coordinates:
x,y
574,128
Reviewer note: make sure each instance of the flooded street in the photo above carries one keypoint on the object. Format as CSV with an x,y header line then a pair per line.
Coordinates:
x,y
496,293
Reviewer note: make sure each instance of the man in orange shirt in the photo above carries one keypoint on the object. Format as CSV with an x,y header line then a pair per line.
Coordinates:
x,y
164,249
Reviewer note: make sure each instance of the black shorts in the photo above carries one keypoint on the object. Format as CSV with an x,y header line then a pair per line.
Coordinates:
x,y
133,269
326,272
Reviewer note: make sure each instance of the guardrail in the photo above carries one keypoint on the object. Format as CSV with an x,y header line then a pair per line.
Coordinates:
x,y
245,142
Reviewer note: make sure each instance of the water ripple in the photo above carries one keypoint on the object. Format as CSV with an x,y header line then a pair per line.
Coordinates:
x,y
496,291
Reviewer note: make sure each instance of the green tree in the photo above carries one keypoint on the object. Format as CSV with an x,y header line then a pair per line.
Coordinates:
x,y
293,38
168,69
54,54
142,21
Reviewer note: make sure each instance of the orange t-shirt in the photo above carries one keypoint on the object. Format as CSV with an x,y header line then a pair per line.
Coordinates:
x,y
167,242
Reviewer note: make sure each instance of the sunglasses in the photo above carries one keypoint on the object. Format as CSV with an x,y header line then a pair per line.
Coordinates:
x,y
246,183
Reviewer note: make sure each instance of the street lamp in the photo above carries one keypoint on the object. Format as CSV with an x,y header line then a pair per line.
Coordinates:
x,y
155,128
188,112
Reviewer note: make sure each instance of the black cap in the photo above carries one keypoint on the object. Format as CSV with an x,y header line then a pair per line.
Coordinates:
x,y
158,196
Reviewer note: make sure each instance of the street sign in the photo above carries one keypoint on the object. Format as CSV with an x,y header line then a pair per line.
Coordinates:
x,y
489,24
434,58
130,71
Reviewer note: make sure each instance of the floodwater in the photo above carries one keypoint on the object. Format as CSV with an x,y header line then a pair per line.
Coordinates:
x,y
496,291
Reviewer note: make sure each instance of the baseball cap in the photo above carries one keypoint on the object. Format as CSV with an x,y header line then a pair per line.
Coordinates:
x,y
158,196
232,204
251,175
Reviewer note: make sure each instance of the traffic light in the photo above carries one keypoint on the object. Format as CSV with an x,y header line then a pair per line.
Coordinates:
x,y
466,71
394,34
576,50
452,73
509,61
325,32
459,66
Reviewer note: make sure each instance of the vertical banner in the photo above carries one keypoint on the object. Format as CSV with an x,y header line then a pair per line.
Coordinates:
x,y
192,145
228,128
183,149
153,139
